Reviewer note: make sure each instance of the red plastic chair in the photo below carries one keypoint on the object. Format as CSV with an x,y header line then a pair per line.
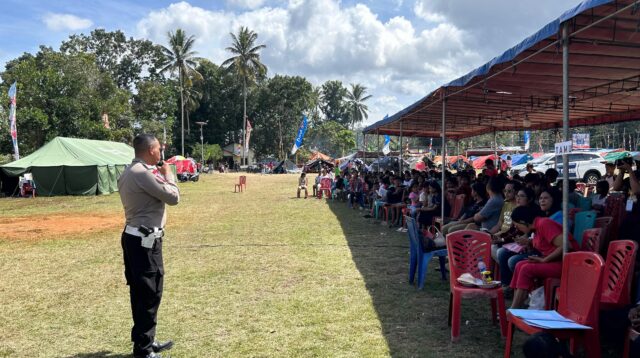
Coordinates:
x,y
618,274
325,187
614,207
465,249
591,240
242,182
604,223
579,295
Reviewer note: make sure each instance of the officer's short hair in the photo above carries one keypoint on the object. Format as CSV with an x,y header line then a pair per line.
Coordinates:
x,y
142,142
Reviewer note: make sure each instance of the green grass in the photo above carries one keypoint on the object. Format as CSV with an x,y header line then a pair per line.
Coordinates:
x,y
257,274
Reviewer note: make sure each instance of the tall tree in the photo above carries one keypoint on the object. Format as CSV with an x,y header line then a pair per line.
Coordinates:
x,y
355,102
332,102
181,59
246,64
127,60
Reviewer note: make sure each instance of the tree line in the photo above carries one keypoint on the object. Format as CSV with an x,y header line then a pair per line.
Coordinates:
x,y
107,86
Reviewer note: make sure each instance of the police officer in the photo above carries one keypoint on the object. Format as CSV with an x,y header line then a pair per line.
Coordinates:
x,y
145,187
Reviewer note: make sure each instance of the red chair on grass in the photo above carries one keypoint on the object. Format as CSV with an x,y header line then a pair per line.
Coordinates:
x,y
242,183
618,274
465,249
325,188
579,296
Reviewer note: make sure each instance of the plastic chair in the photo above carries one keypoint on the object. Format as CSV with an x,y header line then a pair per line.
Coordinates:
x,y
584,203
603,223
465,249
419,259
579,296
584,220
325,187
614,207
591,240
242,182
618,274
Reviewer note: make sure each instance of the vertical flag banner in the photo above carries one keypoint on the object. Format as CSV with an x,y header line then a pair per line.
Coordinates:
x,y
387,141
527,137
301,131
248,131
12,120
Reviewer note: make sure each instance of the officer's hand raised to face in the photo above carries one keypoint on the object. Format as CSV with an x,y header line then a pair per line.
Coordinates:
x,y
165,169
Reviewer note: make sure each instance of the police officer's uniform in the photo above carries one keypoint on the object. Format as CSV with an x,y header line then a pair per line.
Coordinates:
x,y
144,193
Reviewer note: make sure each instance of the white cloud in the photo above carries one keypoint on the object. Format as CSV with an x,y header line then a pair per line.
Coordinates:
x,y
323,40
245,4
60,22
424,13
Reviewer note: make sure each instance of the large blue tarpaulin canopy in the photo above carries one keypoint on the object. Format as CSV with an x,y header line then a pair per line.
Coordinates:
x,y
522,88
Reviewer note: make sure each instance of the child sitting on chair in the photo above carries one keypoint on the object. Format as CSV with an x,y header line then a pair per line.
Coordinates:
x,y
302,185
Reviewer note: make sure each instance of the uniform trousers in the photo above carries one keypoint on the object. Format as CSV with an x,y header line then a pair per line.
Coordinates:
x,y
144,272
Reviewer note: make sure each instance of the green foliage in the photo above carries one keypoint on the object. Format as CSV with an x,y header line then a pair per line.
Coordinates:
x,y
332,104
212,152
128,61
280,102
355,104
331,138
65,95
245,62
153,106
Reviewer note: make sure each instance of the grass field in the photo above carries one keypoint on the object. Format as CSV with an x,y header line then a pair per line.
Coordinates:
x,y
257,274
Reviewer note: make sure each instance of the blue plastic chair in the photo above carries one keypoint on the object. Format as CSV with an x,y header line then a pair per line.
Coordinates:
x,y
418,258
584,220
584,203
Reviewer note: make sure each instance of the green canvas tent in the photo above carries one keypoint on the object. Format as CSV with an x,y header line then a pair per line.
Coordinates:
x,y
71,166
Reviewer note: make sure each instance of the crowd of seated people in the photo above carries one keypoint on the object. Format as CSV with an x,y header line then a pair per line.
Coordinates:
x,y
523,215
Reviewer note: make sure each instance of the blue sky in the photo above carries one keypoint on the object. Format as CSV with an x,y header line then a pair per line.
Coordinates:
x,y
399,49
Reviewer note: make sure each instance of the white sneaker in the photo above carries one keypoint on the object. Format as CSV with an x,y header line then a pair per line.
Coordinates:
x,y
400,229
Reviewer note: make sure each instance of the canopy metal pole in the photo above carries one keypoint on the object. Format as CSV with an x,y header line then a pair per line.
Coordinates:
x,y
565,133
444,154
400,152
378,139
364,150
495,149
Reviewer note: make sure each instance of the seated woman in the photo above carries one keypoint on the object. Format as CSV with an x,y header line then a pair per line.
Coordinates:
x,y
550,201
599,198
512,252
479,199
433,208
302,185
546,252
501,229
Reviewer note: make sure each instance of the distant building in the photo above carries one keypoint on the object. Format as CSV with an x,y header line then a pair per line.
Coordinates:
x,y
234,151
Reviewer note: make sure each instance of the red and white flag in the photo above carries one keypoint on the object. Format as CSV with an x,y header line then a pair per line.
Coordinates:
x,y
12,120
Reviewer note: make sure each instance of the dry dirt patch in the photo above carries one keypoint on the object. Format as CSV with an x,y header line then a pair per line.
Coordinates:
x,y
57,226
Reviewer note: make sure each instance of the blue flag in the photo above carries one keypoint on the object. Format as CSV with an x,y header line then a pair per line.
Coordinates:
x,y
527,136
387,141
301,131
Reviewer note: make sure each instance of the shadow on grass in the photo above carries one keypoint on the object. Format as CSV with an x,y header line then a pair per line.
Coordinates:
x,y
101,354
414,323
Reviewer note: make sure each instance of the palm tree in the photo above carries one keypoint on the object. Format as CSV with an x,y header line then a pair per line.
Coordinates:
x,y
191,102
180,58
246,64
355,101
